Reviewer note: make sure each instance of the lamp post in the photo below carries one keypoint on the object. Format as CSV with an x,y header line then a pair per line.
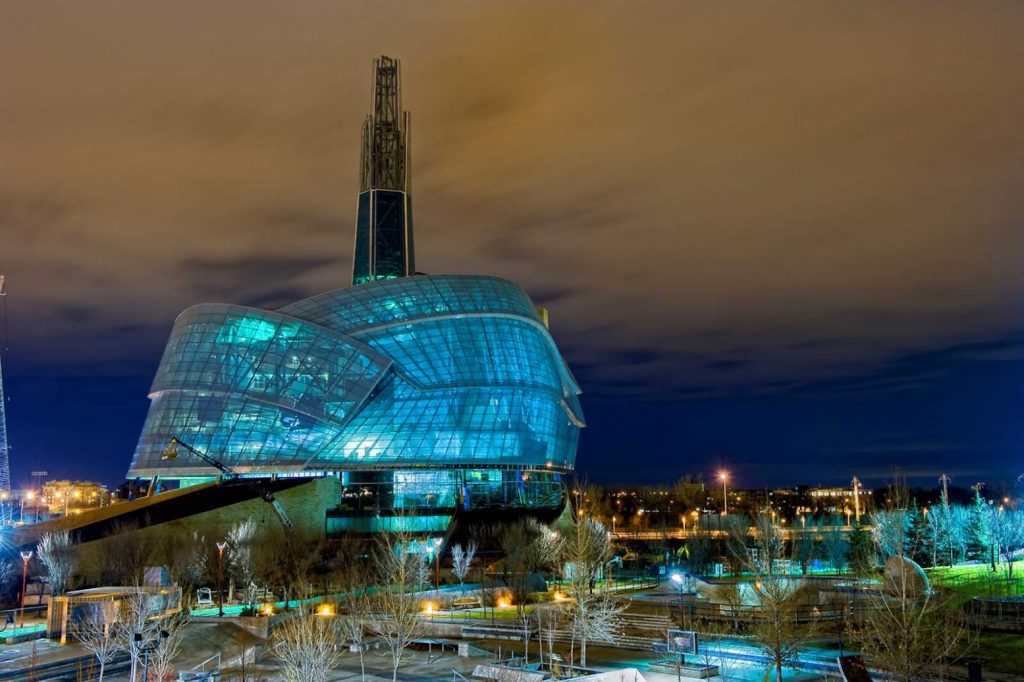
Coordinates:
x,y
25,556
146,648
27,496
724,476
220,578
437,567
677,580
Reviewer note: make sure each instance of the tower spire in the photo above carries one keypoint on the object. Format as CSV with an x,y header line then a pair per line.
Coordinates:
x,y
383,244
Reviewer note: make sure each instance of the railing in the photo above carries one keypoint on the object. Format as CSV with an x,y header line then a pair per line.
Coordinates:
x,y
202,666
996,614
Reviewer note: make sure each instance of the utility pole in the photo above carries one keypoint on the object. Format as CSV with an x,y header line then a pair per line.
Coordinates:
x,y
856,498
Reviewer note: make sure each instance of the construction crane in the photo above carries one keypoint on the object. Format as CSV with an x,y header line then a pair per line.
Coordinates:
x,y
255,484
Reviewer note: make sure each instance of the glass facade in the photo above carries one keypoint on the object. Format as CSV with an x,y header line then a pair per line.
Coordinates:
x,y
383,248
440,391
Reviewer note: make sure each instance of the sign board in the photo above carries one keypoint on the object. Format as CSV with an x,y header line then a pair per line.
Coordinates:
x,y
682,642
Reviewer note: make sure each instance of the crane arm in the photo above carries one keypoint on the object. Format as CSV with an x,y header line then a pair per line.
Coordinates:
x,y
256,485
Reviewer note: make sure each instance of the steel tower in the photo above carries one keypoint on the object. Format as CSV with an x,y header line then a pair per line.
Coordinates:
x,y
383,244
5,465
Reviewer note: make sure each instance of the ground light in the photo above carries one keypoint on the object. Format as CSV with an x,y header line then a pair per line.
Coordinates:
x,y
504,603
325,610
267,609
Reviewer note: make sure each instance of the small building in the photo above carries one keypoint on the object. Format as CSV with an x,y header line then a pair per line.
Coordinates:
x,y
108,605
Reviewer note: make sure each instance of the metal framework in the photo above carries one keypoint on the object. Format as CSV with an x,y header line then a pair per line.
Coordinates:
x,y
383,239
5,465
385,152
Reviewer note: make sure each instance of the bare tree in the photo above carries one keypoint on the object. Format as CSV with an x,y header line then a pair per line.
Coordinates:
x,y
169,637
907,631
775,621
57,554
1007,532
711,651
178,550
528,546
128,552
462,561
586,552
595,617
526,623
240,539
396,612
98,634
835,546
356,601
139,622
307,648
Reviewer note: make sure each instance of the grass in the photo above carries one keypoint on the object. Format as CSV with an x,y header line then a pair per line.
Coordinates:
x,y
1001,651
978,580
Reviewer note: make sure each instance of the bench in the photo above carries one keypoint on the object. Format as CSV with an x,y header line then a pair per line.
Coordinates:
x,y
204,596
466,603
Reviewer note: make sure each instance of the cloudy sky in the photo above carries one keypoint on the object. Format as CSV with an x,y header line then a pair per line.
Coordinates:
x,y
783,238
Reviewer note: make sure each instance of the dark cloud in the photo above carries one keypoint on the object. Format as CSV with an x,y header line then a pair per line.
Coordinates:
x,y
712,201
75,313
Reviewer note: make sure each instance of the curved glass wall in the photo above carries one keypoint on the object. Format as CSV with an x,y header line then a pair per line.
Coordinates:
x,y
425,371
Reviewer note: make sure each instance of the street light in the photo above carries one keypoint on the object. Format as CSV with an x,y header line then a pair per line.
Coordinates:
x,y
677,580
147,648
437,567
25,556
724,476
220,578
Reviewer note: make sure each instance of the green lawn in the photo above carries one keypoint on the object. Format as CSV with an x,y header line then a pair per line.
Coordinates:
x,y
979,580
1003,651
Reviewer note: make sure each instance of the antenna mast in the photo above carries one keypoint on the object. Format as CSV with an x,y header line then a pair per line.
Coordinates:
x,y
5,465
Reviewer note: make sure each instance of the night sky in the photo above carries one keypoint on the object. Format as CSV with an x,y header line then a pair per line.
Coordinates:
x,y
787,239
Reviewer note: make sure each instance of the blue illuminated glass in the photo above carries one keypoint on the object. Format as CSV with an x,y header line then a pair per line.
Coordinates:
x,y
425,371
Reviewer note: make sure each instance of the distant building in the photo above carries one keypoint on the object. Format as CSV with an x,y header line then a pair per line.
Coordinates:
x,y
838,500
73,497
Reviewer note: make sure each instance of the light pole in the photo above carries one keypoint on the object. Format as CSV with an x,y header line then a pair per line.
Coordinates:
x,y
724,476
146,648
677,580
437,568
27,496
220,578
25,556
856,498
